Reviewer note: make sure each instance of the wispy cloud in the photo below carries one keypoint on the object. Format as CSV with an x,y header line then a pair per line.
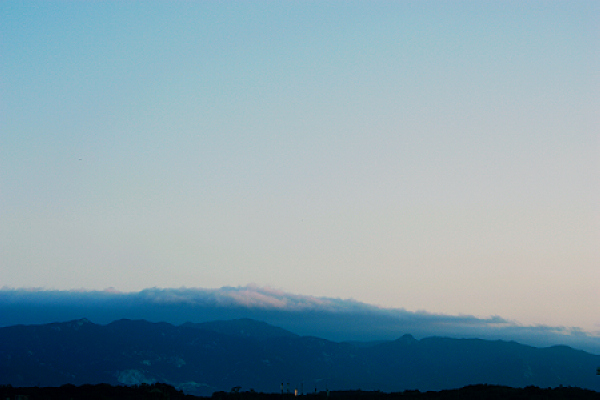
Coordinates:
x,y
248,296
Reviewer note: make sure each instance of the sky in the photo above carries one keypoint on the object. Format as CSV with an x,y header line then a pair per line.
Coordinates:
x,y
426,155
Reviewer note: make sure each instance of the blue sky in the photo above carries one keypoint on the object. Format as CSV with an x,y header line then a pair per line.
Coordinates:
x,y
438,156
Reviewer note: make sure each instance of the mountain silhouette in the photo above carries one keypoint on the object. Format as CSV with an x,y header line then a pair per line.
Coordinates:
x,y
216,356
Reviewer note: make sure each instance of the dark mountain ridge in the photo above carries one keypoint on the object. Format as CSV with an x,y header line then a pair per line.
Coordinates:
x,y
207,357
242,327
334,319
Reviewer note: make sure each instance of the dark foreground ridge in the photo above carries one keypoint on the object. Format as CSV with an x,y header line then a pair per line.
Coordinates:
x,y
161,391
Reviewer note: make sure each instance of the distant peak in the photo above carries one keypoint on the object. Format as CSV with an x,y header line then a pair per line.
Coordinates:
x,y
81,321
407,338
77,323
243,327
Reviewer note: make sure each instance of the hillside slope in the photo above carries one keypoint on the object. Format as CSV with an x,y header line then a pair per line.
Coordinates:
x,y
204,358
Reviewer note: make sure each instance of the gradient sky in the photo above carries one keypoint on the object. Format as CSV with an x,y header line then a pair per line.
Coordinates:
x,y
431,155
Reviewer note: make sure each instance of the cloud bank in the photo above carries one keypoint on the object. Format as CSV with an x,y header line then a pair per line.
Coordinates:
x,y
334,319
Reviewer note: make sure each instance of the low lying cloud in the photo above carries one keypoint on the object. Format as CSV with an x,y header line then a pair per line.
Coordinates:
x,y
334,319
250,296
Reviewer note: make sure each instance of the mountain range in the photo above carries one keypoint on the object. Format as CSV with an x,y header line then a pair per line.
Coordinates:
x,y
329,318
202,358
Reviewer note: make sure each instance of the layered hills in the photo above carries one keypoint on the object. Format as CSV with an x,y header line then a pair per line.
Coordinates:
x,y
202,358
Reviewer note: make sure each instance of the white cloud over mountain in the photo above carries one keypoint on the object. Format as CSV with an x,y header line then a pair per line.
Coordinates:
x,y
335,319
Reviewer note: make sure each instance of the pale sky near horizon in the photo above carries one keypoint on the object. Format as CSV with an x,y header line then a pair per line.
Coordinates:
x,y
430,155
